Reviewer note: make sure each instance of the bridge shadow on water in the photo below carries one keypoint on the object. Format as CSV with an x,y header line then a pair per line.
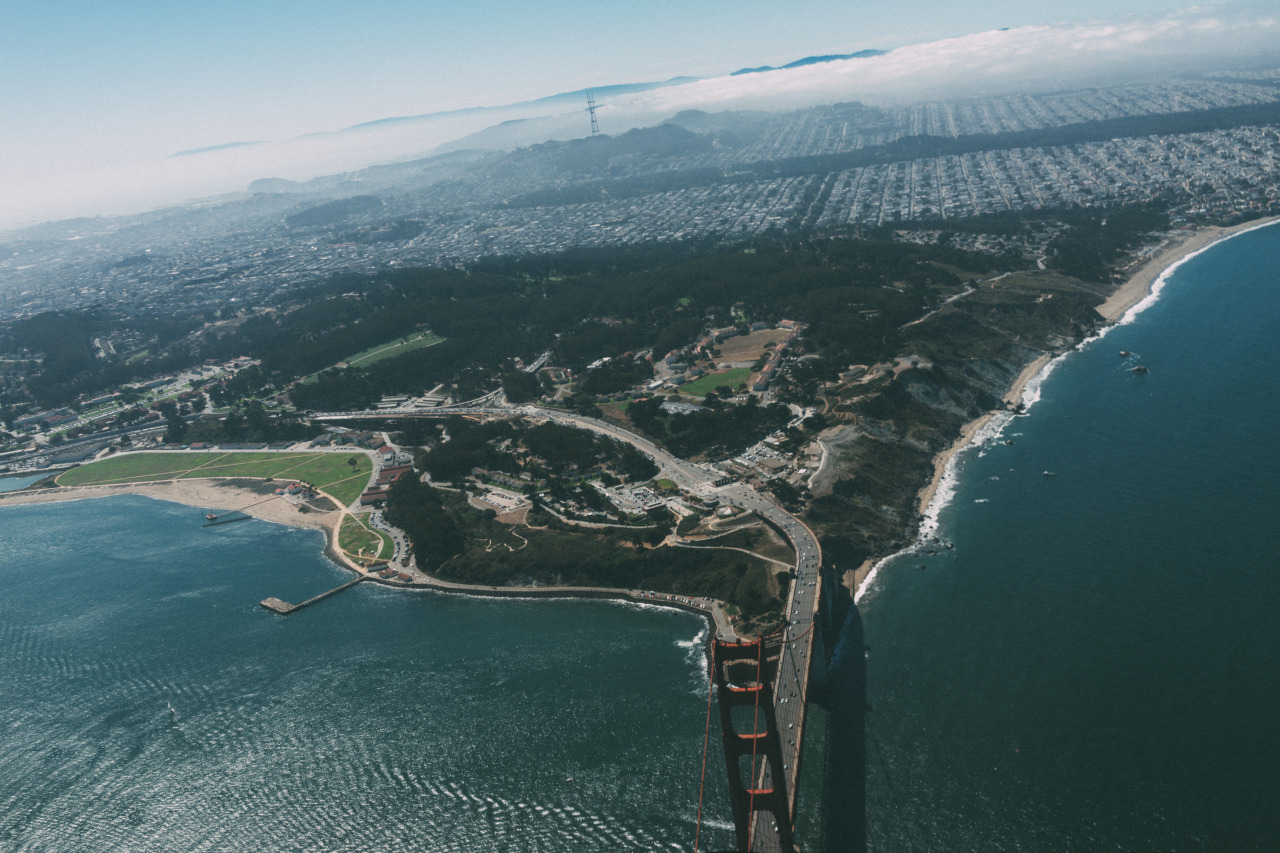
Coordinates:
x,y
843,695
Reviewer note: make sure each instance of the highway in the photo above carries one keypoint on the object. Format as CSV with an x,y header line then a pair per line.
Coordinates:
x,y
791,689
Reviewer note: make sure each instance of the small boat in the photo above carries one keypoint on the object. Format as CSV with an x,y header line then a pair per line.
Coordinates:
x,y
1049,475
1140,369
1124,353
210,517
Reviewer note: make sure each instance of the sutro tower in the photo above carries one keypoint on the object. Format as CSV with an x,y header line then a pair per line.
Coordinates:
x,y
591,108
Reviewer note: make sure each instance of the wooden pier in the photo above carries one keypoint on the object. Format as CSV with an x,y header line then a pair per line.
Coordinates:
x,y
284,608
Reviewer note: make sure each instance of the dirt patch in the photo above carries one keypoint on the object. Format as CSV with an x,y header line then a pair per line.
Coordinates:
x,y
516,516
833,442
749,348
323,504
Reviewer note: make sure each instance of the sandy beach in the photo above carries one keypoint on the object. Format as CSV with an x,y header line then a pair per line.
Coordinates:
x,y
213,494
1179,245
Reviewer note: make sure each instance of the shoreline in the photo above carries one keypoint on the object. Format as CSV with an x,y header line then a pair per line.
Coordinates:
x,y
219,494
1115,309
1143,277
227,495
223,494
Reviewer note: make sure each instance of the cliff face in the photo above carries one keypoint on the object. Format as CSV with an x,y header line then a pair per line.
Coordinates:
x,y
963,361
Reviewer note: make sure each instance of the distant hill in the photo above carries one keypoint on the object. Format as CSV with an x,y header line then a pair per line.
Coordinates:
x,y
811,60
276,185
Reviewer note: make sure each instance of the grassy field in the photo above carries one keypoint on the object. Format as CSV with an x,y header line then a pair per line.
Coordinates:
x,y
399,346
362,542
700,386
329,472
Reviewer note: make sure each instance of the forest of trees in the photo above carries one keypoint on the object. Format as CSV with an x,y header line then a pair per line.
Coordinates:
x,y
541,450
417,509
854,295
713,432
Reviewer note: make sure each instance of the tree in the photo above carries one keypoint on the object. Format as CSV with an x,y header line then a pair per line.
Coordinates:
x,y
521,387
176,428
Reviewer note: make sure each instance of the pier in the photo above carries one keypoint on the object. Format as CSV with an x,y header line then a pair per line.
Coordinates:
x,y
218,521
284,608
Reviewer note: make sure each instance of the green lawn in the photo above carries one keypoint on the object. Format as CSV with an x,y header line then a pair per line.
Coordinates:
x,y
416,340
329,472
363,542
700,386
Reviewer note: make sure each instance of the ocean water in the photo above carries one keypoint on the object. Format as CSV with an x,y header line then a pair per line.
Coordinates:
x,y
376,720
1096,663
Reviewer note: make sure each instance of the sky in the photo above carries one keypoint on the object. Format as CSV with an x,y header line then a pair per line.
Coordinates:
x,y
96,96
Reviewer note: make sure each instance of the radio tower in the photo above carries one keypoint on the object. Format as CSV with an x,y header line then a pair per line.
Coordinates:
x,y
591,108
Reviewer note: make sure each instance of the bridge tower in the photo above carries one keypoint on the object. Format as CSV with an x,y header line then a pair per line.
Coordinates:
x,y
744,676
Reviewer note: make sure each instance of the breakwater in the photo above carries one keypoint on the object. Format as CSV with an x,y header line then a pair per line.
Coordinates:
x,y
709,610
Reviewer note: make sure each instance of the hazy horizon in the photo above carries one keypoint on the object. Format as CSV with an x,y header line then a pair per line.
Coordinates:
x,y
117,155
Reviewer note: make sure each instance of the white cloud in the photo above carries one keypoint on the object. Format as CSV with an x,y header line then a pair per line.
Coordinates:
x,y
987,63
982,63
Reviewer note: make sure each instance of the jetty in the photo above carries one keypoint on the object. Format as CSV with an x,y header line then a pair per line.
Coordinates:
x,y
219,520
284,608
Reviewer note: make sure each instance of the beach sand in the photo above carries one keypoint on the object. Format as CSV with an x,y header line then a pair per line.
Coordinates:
x,y
214,494
211,494
1181,244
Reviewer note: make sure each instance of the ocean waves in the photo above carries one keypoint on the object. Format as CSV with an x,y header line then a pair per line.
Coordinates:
x,y
149,704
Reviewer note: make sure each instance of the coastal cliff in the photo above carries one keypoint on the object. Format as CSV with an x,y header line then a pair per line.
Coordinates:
x,y
961,363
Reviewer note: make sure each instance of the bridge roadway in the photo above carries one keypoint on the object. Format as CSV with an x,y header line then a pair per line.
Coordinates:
x,y
791,687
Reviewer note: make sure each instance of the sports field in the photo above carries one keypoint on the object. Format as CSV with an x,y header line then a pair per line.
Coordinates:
x,y
330,472
700,386
399,346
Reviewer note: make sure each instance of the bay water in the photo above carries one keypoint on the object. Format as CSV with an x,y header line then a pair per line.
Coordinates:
x,y
147,702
